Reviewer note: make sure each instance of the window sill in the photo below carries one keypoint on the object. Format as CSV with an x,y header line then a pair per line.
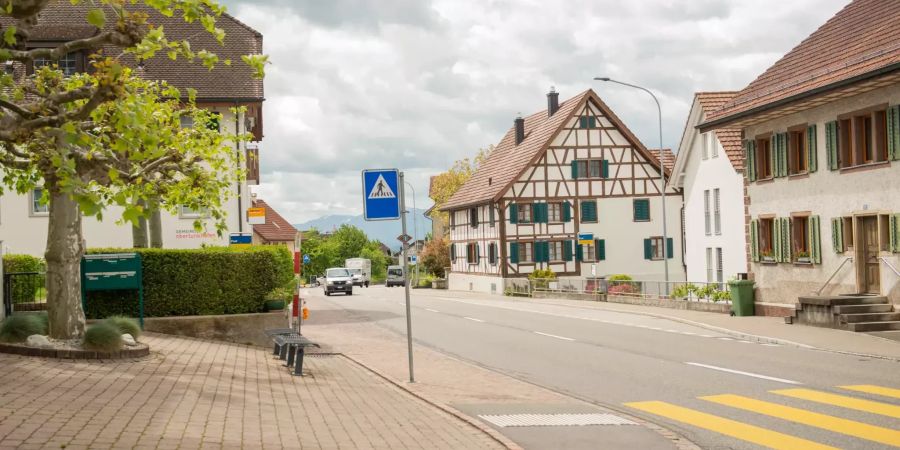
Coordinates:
x,y
647,220
865,167
798,176
803,264
769,263
765,180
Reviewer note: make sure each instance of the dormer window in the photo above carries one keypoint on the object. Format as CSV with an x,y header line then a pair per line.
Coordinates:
x,y
69,65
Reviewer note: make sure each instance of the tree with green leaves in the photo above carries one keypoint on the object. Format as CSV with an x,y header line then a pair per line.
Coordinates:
x,y
445,184
106,137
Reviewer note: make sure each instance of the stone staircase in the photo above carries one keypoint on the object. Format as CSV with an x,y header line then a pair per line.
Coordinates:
x,y
849,312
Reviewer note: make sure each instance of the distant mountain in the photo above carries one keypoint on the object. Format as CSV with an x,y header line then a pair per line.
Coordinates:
x,y
384,231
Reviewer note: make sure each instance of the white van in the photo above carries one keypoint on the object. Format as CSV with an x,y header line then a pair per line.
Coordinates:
x,y
395,276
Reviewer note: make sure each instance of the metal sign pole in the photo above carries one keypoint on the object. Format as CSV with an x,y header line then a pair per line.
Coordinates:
x,y
406,276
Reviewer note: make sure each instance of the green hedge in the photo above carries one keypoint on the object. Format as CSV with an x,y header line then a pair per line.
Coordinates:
x,y
25,289
216,280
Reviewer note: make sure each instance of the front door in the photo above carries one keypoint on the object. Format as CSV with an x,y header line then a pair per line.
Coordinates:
x,y
870,280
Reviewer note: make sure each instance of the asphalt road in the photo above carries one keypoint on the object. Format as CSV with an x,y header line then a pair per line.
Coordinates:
x,y
718,391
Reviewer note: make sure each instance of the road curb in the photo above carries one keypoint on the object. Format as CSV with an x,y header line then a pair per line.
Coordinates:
x,y
492,433
730,332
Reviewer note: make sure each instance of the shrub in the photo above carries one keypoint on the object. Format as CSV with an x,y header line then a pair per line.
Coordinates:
x,y
541,278
684,290
103,337
18,327
620,277
206,281
125,325
24,289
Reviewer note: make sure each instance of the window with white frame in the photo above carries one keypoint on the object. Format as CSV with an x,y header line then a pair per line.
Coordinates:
x,y
717,213
706,215
37,208
556,250
713,147
588,252
190,213
554,212
526,252
709,264
705,144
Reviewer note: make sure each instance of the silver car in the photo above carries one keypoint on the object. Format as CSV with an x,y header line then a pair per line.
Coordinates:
x,y
338,279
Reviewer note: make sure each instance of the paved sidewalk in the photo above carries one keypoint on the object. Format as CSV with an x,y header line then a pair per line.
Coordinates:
x,y
767,329
192,393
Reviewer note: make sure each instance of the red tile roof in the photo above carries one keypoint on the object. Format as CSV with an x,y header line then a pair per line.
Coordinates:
x,y
668,158
861,39
62,21
276,229
730,138
507,161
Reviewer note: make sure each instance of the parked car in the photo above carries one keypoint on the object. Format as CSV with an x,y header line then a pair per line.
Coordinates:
x,y
338,279
361,269
395,276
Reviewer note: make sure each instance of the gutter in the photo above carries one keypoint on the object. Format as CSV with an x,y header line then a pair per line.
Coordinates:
x,y
719,123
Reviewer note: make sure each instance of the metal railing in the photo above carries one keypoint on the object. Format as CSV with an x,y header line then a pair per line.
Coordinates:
x,y
887,263
679,290
819,292
24,291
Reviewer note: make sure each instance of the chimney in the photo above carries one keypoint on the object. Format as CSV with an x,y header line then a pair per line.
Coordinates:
x,y
552,102
520,129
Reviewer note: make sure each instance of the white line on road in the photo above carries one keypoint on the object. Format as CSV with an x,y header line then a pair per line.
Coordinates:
x,y
554,336
749,374
473,319
432,310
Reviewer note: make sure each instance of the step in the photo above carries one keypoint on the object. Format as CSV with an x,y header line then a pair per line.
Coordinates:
x,y
870,317
874,326
859,309
843,300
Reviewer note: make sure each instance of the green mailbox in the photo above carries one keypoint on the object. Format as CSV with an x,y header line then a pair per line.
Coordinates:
x,y
113,272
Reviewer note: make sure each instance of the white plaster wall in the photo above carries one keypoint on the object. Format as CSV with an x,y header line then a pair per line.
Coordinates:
x,y
827,194
458,281
709,174
483,234
22,232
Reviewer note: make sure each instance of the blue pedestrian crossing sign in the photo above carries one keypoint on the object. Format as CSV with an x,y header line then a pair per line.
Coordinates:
x,y
305,259
381,194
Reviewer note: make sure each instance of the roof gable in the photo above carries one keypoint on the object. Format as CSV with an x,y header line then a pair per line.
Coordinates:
x,y
276,229
730,138
863,38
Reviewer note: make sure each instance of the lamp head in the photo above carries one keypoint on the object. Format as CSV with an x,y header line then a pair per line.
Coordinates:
x,y
601,78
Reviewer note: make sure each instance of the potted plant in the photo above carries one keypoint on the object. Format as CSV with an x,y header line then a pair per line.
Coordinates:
x,y
766,255
803,257
278,298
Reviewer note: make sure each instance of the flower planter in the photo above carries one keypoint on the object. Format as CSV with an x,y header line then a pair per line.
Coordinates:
x,y
274,305
803,259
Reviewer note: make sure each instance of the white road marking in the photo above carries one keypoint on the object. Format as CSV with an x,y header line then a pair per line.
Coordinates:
x,y
738,372
473,319
745,342
705,335
771,345
726,339
432,310
554,336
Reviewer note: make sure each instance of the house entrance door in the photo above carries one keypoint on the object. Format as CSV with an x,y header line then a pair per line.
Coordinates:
x,y
869,277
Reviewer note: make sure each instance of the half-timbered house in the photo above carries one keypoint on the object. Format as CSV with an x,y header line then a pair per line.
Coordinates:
x,y
572,170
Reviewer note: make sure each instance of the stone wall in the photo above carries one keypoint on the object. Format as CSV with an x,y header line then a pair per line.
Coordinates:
x,y
237,328
724,308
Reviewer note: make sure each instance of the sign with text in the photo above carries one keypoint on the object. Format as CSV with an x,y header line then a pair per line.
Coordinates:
x,y
586,238
381,194
240,239
256,216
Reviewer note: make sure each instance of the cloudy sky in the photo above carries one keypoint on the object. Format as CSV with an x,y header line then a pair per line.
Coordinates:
x,y
418,84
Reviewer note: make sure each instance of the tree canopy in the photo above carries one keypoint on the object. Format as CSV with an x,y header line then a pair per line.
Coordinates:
x,y
445,184
346,242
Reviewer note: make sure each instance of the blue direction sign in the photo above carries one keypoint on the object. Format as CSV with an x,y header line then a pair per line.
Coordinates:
x,y
586,238
305,259
381,194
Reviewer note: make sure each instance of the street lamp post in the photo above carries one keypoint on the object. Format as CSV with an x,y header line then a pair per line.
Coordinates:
x,y
415,232
662,173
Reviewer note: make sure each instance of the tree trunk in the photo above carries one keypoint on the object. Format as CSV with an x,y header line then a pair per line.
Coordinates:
x,y
156,240
64,251
139,231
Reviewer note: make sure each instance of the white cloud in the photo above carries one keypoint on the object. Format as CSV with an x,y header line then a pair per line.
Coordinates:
x,y
418,84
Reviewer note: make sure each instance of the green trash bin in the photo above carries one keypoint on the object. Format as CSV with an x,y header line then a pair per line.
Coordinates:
x,y
741,297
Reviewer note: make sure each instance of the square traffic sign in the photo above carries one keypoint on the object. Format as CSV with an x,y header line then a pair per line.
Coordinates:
x,y
381,194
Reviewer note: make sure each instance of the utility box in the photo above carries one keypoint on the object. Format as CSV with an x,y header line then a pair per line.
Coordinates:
x,y
113,272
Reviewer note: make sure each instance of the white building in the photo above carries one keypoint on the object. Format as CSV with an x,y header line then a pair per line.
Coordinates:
x,y
570,170
822,142
24,221
709,172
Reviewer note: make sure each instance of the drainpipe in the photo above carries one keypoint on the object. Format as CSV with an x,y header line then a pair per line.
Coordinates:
x,y
237,150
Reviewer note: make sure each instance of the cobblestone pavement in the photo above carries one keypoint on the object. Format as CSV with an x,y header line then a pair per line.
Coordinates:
x,y
200,394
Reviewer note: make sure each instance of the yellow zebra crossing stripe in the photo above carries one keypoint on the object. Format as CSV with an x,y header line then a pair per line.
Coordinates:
x,y
872,389
836,424
843,401
728,427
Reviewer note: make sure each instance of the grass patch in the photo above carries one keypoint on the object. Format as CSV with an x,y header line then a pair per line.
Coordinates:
x,y
125,325
18,327
103,337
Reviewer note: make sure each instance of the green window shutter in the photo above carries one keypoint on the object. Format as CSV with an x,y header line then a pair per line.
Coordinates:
x,y
641,209
895,233
812,148
593,210
574,169
648,249
589,211
537,210
538,251
452,252
514,252
781,156
754,240
600,244
837,235
605,168
477,253
893,132
750,159
468,254
592,122
579,252
777,253
776,155
567,250
831,144
670,248
815,243
513,213
545,251
786,250
566,211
